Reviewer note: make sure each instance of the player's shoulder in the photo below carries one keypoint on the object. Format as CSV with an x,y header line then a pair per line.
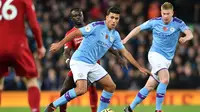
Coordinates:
x,y
71,30
177,20
115,33
98,23
157,18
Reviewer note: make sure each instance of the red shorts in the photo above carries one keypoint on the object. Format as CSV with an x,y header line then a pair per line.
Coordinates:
x,y
21,60
71,74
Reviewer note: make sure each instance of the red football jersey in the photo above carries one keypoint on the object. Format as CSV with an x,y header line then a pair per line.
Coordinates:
x,y
74,43
13,14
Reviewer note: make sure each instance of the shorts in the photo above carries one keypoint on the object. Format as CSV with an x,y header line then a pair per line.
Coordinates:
x,y
70,74
157,62
22,61
85,71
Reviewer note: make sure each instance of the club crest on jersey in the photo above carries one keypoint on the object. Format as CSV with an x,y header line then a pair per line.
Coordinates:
x,y
87,28
165,28
172,29
111,39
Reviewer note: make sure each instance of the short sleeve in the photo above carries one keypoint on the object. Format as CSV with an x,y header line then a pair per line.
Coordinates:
x,y
183,26
147,25
87,30
68,45
117,43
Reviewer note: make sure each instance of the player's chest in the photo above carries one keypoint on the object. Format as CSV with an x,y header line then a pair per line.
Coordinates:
x,y
106,39
165,29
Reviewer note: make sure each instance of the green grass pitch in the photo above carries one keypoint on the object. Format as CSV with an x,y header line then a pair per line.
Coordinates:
x,y
185,108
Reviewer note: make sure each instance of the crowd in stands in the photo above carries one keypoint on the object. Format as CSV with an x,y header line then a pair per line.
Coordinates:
x,y
53,16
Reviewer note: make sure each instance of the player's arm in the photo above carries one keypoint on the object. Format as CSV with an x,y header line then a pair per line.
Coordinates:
x,y
130,58
67,51
84,31
32,20
188,36
133,33
119,58
118,45
145,26
56,46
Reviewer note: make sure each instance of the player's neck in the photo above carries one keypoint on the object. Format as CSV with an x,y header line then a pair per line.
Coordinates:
x,y
107,26
167,22
79,25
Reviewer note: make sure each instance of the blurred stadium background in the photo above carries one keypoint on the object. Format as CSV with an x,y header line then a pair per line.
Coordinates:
x,y
184,87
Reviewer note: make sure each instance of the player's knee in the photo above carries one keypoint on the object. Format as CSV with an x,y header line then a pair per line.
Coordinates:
x,y
110,88
1,83
165,81
31,82
113,87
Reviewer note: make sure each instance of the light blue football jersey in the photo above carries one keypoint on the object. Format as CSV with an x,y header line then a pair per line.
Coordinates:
x,y
97,39
165,36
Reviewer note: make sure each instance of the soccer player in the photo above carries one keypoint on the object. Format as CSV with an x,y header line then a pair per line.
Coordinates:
x,y
76,15
14,50
98,38
166,31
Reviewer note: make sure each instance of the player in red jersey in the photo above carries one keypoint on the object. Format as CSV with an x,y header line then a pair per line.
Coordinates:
x,y
14,49
76,16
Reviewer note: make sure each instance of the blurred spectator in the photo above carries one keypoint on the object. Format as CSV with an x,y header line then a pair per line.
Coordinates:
x,y
53,16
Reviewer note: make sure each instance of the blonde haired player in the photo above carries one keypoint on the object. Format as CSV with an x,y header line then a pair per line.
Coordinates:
x,y
166,30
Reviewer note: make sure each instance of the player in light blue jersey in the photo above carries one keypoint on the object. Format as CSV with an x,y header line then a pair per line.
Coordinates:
x,y
98,38
166,31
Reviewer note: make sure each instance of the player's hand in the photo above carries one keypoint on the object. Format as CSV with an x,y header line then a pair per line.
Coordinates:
x,y
182,40
41,52
124,41
55,47
122,62
145,71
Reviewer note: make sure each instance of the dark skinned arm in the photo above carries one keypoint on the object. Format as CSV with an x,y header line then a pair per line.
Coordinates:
x,y
119,58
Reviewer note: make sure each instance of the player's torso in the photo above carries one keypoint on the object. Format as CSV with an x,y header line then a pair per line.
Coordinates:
x,y
77,41
12,15
166,34
165,37
97,44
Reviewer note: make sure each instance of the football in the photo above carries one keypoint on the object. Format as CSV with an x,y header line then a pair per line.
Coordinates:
x,y
107,110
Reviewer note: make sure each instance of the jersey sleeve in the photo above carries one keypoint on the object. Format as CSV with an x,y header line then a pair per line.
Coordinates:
x,y
32,20
87,30
117,42
68,45
147,25
183,26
